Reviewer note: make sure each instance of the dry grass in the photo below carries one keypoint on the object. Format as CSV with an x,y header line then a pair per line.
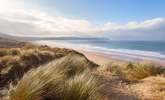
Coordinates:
x,y
81,87
9,62
39,84
63,79
36,57
11,51
130,71
66,78
14,62
73,64
151,88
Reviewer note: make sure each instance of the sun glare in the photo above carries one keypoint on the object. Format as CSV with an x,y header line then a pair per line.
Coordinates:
x,y
8,5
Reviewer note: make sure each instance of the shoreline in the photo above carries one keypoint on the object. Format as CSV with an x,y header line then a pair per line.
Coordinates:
x,y
101,57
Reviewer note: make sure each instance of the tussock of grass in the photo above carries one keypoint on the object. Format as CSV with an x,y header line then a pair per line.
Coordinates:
x,y
36,57
81,87
8,62
39,84
73,64
14,62
63,79
12,51
131,71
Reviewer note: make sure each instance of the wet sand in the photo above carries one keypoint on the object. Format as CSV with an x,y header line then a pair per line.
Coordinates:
x,y
101,58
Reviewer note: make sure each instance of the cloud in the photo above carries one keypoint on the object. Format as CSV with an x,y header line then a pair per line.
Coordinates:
x,y
36,22
153,29
30,22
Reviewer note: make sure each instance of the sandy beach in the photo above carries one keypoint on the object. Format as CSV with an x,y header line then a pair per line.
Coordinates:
x,y
98,58
102,58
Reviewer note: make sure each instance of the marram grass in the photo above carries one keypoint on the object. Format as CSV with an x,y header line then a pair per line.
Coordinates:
x,y
55,82
81,87
38,84
130,71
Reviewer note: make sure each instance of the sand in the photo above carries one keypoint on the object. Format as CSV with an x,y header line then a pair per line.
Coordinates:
x,y
101,58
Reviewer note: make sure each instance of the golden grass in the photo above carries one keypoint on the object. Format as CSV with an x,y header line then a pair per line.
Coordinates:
x,y
11,51
8,62
63,79
73,64
38,84
151,88
130,71
14,62
66,78
81,87
36,57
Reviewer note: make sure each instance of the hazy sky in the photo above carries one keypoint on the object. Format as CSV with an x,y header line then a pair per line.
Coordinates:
x,y
116,19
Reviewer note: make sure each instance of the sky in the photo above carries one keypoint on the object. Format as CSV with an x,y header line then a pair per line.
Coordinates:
x,y
114,19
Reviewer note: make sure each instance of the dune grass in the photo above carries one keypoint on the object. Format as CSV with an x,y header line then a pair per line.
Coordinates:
x,y
9,51
152,88
63,79
131,71
83,86
14,62
73,64
38,84
69,77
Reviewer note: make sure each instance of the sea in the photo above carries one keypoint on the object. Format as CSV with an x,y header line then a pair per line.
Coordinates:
x,y
128,50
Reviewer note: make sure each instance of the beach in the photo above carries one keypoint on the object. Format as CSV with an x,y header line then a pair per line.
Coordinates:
x,y
101,55
101,58
48,54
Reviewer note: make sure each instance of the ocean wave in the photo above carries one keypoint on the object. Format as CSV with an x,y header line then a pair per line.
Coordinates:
x,y
130,52
110,51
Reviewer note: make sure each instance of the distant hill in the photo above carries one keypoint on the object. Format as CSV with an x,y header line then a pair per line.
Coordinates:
x,y
32,38
7,41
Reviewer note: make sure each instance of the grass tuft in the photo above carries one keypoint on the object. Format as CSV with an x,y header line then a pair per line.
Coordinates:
x,y
131,71
55,81
81,87
40,84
